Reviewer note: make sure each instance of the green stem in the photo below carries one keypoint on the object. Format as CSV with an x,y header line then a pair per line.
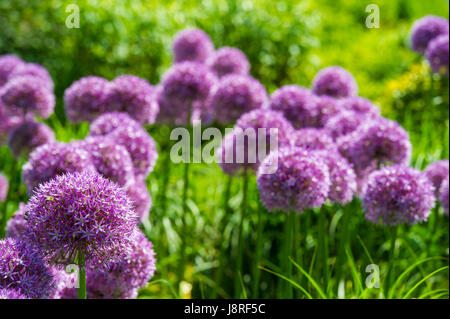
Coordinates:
x,y
82,276
394,232
323,245
259,237
237,282
344,238
286,291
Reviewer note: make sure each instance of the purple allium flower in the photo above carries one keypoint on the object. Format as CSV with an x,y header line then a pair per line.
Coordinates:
x,y
110,159
185,87
301,180
398,194
87,98
8,63
342,177
437,54
140,198
192,45
49,160
361,106
81,213
135,96
23,139
436,173
327,107
63,282
139,145
376,143
26,94
7,123
4,186
35,70
335,81
123,279
228,60
22,267
16,224
299,105
443,195
235,95
312,139
12,293
426,29
344,123
108,122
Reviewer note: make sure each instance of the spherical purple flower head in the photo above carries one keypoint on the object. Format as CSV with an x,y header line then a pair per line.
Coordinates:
x,y
81,213
87,98
327,107
342,177
4,186
398,194
35,70
8,63
426,29
140,199
192,45
443,195
360,105
123,279
139,145
299,105
312,139
110,159
11,293
22,267
49,160
376,143
335,81
24,138
26,94
135,96
228,60
301,180
108,122
186,86
235,95
16,224
436,173
437,54
7,123
344,123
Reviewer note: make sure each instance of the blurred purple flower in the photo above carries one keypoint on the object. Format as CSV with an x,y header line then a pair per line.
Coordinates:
x,y
35,70
436,173
7,123
140,199
426,29
437,54
361,106
312,139
192,45
16,224
327,107
11,293
4,186
335,81
228,60
344,123
443,195
8,63
108,122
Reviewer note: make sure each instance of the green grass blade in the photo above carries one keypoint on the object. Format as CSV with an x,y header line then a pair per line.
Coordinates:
x,y
423,280
293,283
311,280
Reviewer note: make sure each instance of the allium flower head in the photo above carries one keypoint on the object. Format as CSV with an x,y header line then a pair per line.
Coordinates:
x,y
139,145
7,123
108,122
87,98
361,106
398,194
376,143
301,180
8,63
26,94
4,186
135,96
443,195
437,54
336,82
81,213
23,139
228,60
11,293
35,70
49,160
299,105
140,199
344,123
110,159
23,268
185,87
426,29
327,107
312,139
436,173
192,45
16,224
